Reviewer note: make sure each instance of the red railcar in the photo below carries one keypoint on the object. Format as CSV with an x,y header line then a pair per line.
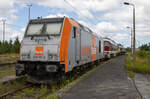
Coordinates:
x,y
110,48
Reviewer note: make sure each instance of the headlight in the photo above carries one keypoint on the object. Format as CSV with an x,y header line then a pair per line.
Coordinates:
x,y
51,68
52,57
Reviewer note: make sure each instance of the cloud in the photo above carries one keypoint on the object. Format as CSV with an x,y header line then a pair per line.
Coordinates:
x,y
106,17
56,15
85,14
82,8
11,34
106,27
8,12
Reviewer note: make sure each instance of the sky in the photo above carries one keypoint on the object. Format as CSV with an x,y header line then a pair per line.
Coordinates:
x,y
107,18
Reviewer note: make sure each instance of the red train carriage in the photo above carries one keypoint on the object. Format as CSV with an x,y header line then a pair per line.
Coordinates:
x,y
110,48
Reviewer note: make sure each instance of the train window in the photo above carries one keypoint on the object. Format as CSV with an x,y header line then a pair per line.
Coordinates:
x,y
73,33
53,28
34,29
99,46
44,28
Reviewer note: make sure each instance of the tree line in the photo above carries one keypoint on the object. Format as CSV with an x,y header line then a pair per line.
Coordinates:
x,y
144,51
145,47
8,47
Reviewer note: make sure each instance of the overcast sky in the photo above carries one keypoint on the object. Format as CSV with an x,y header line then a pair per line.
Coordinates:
x,y
107,18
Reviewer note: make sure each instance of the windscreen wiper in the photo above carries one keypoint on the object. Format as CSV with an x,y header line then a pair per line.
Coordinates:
x,y
47,36
32,36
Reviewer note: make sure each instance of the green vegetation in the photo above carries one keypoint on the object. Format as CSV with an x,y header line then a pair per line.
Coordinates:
x,y
43,89
8,58
15,84
131,74
29,92
17,97
9,47
10,69
52,96
142,63
7,71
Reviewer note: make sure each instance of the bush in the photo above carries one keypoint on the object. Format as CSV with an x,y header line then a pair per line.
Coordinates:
x,y
142,63
141,53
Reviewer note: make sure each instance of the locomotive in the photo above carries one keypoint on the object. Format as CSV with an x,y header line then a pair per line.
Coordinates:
x,y
54,47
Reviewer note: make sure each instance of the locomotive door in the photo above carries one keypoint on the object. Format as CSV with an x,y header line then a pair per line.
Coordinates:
x,y
78,45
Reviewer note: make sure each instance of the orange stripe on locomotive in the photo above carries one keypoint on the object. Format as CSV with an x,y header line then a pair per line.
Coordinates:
x,y
64,42
93,48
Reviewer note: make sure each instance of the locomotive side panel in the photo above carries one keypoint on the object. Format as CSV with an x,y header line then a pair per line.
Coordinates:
x,y
91,48
85,46
99,48
74,53
79,47
71,55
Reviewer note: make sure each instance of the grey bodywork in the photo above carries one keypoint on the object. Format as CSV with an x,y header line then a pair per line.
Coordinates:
x,y
75,57
52,46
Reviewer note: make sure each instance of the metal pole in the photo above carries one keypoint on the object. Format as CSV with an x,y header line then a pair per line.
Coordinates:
x,y
29,14
134,41
131,41
134,48
29,6
4,30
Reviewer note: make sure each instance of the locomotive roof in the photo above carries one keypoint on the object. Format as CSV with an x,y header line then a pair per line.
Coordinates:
x,y
82,26
87,29
60,19
44,20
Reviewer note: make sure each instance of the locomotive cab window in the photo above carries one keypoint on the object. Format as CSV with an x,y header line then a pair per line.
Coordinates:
x,y
34,29
44,29
99,46
53,28
73,32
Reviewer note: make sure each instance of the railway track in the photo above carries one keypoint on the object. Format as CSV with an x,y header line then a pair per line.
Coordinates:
x,y
4,96
7,64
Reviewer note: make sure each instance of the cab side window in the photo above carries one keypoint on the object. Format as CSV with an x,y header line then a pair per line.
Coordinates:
x,y
73,33
99,46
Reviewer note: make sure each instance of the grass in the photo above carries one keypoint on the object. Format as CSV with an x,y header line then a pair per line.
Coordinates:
x,y
29,92
7,71
16,84
131,74
5,58
141,65
17,97
52,96
43,89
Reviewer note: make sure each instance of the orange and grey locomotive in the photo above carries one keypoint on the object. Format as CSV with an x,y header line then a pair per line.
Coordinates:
x,y
53,47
